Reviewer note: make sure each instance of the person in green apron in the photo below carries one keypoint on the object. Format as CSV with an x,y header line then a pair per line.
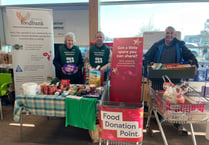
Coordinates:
x,y
99,55
68,60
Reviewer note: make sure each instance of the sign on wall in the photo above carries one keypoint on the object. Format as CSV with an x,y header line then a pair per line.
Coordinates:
x,y
30,33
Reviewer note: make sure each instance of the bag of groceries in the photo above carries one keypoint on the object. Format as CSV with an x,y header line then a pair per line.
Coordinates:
x,y
173,93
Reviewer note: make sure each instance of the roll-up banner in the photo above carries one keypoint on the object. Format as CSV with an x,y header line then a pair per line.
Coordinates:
x,y
30,33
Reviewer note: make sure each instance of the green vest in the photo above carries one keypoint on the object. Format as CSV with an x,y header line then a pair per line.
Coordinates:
x,y
99,56
69,56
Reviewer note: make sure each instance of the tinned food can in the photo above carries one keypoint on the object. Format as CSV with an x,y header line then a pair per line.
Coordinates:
x,y
50,90
46,90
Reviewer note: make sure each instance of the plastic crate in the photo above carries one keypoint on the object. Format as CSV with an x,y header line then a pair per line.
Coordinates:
x,y
172,73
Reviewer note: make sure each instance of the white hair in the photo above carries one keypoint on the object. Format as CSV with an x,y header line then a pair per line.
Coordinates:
x,y
170,27
71,34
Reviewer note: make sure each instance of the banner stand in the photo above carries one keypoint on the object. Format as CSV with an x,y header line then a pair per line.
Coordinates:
x,y
121,110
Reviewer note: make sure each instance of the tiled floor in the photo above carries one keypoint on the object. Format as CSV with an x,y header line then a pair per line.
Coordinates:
x,y
54,132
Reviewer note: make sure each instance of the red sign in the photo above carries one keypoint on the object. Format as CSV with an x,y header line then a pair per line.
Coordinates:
x,y
119,124
126,70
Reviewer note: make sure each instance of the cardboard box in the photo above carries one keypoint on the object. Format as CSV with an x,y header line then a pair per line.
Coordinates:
x,y
96,77
187,72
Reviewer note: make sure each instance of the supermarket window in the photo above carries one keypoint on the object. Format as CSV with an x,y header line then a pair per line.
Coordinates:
x,y
132,20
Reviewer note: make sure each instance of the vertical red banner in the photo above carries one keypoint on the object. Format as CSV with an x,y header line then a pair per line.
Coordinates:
x,y
121,124
126,70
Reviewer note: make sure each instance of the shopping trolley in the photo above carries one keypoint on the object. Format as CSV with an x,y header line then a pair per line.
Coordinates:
x,y
124,119
195,111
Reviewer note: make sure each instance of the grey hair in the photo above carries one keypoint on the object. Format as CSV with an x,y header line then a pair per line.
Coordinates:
x,y
99,32
170,27
71,34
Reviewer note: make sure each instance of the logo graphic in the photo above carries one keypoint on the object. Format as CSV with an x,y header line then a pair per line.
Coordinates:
x,y
137,42
18,69
21,17
17,46
27,20
48,55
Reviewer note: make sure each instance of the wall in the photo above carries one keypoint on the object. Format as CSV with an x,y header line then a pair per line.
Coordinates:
x,y
75,18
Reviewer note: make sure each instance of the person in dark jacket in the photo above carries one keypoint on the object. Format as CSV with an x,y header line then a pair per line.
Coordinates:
x,y
167,51
68,60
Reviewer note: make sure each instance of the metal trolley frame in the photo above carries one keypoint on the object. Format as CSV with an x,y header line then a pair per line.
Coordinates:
x,y
189,113
122,105
178,113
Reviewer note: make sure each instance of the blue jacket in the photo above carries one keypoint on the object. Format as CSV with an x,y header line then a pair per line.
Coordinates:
x,y
183,54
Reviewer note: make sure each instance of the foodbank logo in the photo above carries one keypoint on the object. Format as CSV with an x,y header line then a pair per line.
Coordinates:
x,y
17,46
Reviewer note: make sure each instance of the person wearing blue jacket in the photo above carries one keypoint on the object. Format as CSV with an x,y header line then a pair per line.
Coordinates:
x,y
167,51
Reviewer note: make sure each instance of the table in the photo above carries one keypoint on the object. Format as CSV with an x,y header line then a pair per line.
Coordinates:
x,y
45,105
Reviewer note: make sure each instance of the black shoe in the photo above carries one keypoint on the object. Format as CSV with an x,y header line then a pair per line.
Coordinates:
x,y
181,130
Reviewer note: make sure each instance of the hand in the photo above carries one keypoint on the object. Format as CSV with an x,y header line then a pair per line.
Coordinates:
x,y
195,72
148,69
63,71
102,68
76,70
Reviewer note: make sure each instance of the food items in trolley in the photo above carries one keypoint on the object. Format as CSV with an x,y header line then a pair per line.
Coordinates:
x,y
194,109
181,102
173,93
172,66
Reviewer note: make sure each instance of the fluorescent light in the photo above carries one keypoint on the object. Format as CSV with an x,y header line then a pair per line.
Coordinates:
x,y
25,125
189,132
153,130
197,133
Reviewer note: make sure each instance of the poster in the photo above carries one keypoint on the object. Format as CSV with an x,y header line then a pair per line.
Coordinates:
x,y
30,33
120,124
126,70
59,28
